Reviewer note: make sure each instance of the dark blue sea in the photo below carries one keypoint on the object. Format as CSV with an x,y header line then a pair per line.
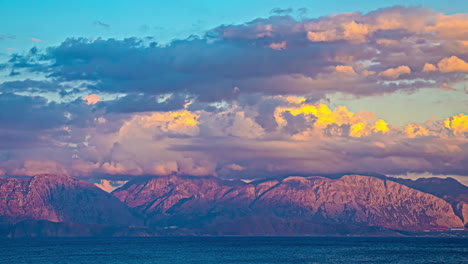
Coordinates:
x,y
234,250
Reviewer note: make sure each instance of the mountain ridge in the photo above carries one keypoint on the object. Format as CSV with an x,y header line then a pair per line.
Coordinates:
x,y
59,198
54,205
164,199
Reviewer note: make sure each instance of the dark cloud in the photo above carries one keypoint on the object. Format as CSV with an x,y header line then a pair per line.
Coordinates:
x,y
32,86
101,24
276,55
18,139
281,11
38,113
143,103
29,112
6,36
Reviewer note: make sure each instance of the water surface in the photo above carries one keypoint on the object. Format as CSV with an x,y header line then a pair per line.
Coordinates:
x,y
234,250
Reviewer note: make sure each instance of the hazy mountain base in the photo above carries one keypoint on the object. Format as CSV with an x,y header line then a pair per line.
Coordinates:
x,y
45,228
172,206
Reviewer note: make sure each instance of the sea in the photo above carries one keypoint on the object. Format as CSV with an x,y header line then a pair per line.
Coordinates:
x,y
235,250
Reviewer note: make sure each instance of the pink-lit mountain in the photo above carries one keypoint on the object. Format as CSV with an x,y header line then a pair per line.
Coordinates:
x,y
175,205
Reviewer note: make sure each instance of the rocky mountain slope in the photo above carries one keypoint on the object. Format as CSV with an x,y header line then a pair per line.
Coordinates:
x,y
51,205
60,199
294,205
448,189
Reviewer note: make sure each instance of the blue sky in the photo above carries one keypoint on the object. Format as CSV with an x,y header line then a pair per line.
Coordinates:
x,y
53,20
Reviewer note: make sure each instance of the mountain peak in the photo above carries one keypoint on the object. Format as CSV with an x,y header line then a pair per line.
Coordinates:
x,y
352,200
59,198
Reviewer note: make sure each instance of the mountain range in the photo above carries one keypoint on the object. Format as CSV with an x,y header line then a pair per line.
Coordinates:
x,y
54,205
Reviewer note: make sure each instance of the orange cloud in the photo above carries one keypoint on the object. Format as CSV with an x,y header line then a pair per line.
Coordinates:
x,y
295,99
428,67
415,130
91,99
396,72
450,27
445,86
278,46
452,64
356,32
106,185
387,42
325,36
345,69
179,122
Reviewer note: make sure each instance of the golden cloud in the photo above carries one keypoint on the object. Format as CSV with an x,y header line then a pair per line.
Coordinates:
x,y
457,123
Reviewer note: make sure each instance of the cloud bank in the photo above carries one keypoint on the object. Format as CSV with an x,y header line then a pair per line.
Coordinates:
x,y
242,101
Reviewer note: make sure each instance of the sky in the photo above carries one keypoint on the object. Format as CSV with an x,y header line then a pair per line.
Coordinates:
x,y
234,89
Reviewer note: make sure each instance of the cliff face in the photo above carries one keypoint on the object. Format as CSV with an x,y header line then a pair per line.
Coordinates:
x,y
289,206
60,199
448,189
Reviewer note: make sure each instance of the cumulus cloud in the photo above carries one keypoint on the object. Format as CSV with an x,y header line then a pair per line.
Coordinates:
x,y
241,101
429,67
452,64
458,124
396,72
307,138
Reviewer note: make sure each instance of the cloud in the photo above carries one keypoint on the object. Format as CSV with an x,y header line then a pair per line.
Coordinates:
x,y
33,86
144,103
450,27
278,55
29,112
91,98
281,11
458,124
307,138
278,46
416,130
396,72
345,69
429,67
7,36
452,64
35,40
101,24
108,185
445,86
242,101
